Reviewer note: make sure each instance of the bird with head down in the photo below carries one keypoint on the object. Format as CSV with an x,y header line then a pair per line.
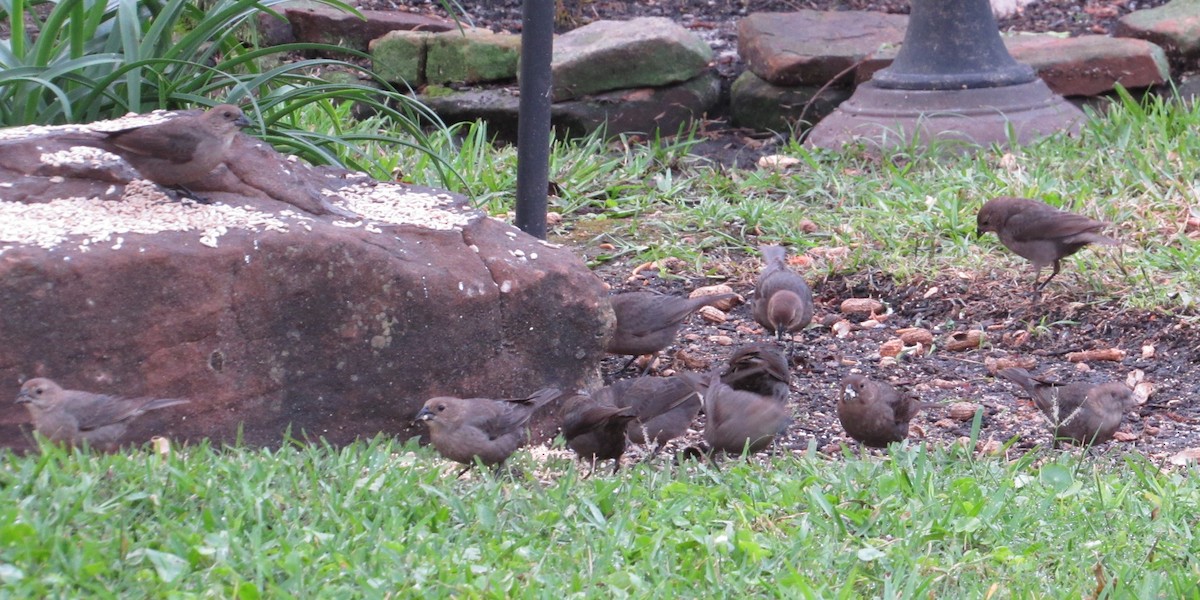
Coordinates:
x,y
1038,232
466,430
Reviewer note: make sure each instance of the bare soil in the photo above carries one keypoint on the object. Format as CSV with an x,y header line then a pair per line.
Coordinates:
x,y
1155,348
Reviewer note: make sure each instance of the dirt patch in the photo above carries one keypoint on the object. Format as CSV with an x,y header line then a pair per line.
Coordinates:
x,y
1154,348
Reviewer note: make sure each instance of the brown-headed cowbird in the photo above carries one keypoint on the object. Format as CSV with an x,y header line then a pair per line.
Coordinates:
x,y
180,150
1040,233
783,301
594,427
874,413
1078,412
761,369
664,407
466,429
738,421
647,322
74,417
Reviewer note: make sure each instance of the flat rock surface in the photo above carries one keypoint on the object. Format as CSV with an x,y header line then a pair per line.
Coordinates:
x,y
1175,26
1072,66
812,48
616,55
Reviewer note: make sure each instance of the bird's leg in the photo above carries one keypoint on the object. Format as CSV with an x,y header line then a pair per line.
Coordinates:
x,y
649,363
616,465
191,194
1052,274
622,369
464,471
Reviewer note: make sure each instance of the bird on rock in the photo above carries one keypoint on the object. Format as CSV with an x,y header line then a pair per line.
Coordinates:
x,y
74,418
1081,413
874,413
783,301
1040,233
663,407
738,421
594,428
468,429
647,322
179,151
761,369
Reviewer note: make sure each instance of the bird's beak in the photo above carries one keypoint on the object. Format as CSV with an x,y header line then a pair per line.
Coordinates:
x,y
424,415
242,121
24,397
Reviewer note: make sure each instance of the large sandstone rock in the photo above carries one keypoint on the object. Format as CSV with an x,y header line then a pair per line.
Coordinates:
x,y
638,110
812,48
613,55
1090,64
1175,27
268,318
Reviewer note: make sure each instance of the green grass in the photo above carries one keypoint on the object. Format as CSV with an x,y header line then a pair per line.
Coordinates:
x,y
910,214
377,518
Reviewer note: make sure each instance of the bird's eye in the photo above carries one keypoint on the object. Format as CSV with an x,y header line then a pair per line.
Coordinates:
x,y
441,407
39,391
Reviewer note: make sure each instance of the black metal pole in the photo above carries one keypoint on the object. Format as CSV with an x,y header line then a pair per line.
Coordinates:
x,y
533,120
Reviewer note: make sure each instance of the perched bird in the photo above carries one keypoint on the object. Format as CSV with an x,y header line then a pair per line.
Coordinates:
x,y
466,429
1040,233
647,322
738,421
594,427
783,301
1078,412
73,417
761,369
874,413
180,150
664,407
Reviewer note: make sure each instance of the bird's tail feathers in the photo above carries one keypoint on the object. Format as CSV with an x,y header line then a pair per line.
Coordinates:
x,y
163,403
544,396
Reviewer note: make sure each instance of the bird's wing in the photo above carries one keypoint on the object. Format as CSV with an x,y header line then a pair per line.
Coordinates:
x,y
506,417
584,419
173,145
1049,224
93,411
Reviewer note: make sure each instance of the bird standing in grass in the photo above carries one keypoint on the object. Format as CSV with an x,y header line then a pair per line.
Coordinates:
x,y
738,421
663,407
468,429
1040,233
783,302
594,428
74,418
1080,413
